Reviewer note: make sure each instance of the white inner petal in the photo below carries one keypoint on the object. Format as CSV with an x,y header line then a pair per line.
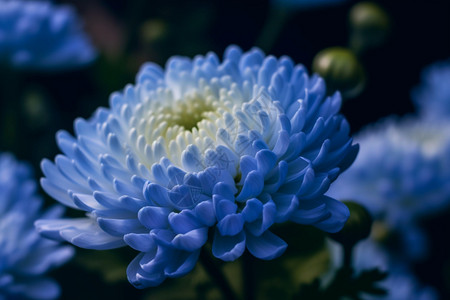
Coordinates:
x,y
218,113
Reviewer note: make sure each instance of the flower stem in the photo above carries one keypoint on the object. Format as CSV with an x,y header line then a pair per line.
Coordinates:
x,y
217,275
272,28
347,263
249,276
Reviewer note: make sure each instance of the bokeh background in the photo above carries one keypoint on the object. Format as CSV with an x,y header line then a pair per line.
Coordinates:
x,y
35,104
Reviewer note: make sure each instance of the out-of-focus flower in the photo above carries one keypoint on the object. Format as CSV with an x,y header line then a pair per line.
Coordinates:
x,y
400,283
370,26
305,4
24,255
341,70
232,146
432,97
357,227
38,35
401,174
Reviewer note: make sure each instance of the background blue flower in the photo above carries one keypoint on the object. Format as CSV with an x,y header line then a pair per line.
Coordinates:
x,y
432,96
25,256
401,175
237,145
38,35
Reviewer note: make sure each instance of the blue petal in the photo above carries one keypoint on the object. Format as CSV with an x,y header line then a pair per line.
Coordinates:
x,y
86,202
276,178
120,227
192,240
131,203
317,189
253,186
186,196
184,221
84,233
39,288
107,199
163,237
231,224
267,246
154,217
228,248
259,226
126,189
57,192
286,205
267,70
310,215
339,214
282,143
252,210
141,279
43,258
205,213
224,207
140,241
266,160
182,264
224,190
247,164
154,193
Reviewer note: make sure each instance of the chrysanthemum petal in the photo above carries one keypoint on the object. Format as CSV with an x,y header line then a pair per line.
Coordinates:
x,y
83,233
182,264
228,248
154,217
120,227
142,242
266,246
231,224
192,240
141,279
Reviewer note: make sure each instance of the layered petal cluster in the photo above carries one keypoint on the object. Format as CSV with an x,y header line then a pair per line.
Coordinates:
x,y
401,174
203,149
38,35
432,96
25,256
400,283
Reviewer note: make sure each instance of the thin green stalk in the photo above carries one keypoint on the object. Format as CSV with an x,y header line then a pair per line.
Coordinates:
x,y
217,275
274,24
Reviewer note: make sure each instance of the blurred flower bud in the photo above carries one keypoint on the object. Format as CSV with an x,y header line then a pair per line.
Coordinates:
x,y
153,30
369,25
357,228
380,232
341,71
36,109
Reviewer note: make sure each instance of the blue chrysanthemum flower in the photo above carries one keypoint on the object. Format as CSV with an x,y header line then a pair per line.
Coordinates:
x,y
432,97
38,35
400,284
228,147
305,4
401,175
25,256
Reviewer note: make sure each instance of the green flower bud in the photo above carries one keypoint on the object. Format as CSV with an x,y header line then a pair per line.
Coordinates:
x,y
369,25
357,227
153,31
341,70
36,109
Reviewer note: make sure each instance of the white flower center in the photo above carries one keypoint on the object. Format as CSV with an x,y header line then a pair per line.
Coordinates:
x,y
198,121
